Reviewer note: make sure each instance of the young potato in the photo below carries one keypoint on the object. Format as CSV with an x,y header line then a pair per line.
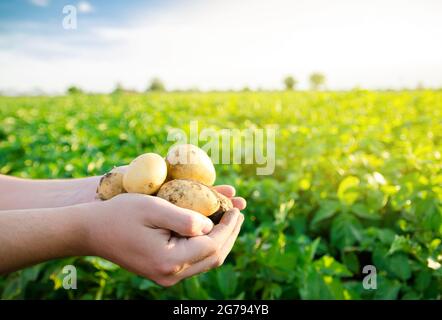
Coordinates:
x,y
187,161
145,174
111,184
194,196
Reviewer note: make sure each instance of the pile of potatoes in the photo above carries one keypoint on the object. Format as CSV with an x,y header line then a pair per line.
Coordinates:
x,y
185,178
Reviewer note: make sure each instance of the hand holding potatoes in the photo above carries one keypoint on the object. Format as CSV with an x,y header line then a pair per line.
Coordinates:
x,y
145,240
168,198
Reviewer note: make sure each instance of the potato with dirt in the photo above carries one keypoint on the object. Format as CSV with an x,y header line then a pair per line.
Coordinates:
x,y
186,161
195,196
111,184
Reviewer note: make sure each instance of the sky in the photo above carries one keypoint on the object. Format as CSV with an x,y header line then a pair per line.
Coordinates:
x,y
219,44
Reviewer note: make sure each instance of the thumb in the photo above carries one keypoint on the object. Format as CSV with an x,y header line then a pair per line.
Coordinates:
x,y
182,221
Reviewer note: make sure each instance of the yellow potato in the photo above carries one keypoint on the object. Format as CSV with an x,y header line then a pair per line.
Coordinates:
x,y
111,184
195,196
145,174
187,161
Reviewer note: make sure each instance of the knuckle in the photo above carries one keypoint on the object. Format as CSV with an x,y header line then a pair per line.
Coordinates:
x,y
167,268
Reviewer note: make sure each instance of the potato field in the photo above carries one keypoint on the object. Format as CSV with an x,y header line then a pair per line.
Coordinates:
x,y
357,185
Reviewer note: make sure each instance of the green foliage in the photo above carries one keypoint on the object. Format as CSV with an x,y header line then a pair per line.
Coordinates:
x,y
357,182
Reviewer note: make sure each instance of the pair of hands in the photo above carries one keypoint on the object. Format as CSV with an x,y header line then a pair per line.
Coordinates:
x,y
144,234
158,240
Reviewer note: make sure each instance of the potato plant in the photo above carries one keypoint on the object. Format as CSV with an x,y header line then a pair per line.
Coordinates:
x,y
357,182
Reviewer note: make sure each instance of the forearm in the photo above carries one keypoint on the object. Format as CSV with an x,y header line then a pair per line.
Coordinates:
x,y
29,237
16,193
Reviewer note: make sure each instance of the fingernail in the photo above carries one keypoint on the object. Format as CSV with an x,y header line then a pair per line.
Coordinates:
x,y
207,225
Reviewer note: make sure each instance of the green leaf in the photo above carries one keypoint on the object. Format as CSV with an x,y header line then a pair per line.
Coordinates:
x,y
350,259
313,286
327,209
386,236
347,190
227,280
376,200
423,280
318,286
400,266
411,295
312,248
345,231
146,284
30,274
429,213
194,290
102,264
386,289
327,265
13,289
272,291
404,244
362,211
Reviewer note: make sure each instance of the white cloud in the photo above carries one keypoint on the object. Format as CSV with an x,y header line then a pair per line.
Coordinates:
x,y
40,3
230,44
85,7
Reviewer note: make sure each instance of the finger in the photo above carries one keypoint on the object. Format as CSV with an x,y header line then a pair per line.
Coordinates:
x,y
215,260
239,203
225,250
226,190
182,221
224,228
192,250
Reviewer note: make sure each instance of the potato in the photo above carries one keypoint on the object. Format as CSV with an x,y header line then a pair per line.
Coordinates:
x,y
111,184
187,161
145,174
195,196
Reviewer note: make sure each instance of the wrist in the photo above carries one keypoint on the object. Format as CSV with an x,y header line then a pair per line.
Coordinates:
x,y
80,227
80,191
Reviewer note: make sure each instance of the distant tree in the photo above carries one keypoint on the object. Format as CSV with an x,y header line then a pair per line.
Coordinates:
x,y
290,82
317,80
74,90
245,89
156,85
118,89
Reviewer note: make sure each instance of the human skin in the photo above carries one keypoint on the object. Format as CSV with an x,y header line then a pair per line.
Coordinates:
x,y
17,193
144,234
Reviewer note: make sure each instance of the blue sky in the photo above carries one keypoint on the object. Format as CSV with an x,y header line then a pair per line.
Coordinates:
x,y
219,44
44,10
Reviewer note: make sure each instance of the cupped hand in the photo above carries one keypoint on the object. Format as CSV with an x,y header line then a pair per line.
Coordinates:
x,y
160,241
